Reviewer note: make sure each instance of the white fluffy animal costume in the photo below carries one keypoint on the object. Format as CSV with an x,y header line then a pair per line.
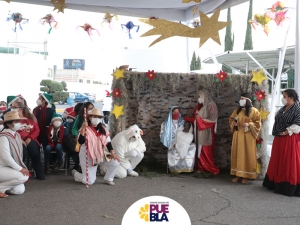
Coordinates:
x,y
130,148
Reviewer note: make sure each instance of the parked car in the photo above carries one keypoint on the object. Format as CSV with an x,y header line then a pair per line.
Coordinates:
x,y
79,97
91,95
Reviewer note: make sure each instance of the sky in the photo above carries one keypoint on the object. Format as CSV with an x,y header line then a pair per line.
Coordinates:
x,y
105,52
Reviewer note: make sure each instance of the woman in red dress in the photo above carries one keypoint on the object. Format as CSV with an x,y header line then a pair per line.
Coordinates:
x,y
283,174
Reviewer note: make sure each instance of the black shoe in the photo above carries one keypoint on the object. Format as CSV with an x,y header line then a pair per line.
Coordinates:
x,y
47,169
57,165
40,176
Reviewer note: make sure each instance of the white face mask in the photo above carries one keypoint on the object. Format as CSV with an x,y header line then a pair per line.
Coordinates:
x,y
13,110
17,126
200,100
96,121
133,139
242,102
284,101
70,120
38,102
1,127
64,115
57,124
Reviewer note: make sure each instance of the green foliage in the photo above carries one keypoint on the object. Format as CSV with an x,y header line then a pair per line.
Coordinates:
x,y
44,89
60,96
229,37
248,45
195,63
56,86
64,84
291,78
46,83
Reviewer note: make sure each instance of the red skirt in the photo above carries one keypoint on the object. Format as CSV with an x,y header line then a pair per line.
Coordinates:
x,y
206,162
283,174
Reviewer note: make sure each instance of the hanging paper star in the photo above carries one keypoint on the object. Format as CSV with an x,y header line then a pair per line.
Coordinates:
x,y
150,75
209,29
221,76
118,73
259,142
262,20
129,27
17,18
88,28
263,114
49,19
258,77
187,1
8,1
277,6
118,111
59,5
117,94
280,17
108,18
260,96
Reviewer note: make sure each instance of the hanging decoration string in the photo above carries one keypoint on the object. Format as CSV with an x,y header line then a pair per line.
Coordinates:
x,y
86,155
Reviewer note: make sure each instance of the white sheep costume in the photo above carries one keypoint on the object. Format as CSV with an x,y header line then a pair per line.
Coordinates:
x,y
130,148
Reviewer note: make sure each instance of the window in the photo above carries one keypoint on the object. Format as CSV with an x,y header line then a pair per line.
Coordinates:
x,y
88,81
80,80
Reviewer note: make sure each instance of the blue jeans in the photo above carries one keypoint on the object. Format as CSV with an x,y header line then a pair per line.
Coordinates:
x,y
59,153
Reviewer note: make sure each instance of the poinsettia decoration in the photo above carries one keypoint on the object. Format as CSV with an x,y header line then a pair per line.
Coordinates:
x,y
151,75
260,96
259,142
116,94
222,76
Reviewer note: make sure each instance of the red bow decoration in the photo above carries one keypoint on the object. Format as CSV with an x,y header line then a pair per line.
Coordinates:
x,y
150,75
117,94
259,142
260,96
222,76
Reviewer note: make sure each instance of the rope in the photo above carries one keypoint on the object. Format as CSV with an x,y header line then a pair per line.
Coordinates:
x,y
86,155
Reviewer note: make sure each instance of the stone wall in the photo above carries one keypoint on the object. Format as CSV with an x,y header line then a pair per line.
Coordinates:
x,y
147,103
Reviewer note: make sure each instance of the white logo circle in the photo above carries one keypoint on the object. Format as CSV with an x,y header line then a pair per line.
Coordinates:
x,y
155,209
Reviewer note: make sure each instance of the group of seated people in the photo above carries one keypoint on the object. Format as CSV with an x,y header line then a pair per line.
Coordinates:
x,y
79,132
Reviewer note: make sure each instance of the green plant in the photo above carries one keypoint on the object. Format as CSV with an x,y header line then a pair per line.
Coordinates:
x,y
56,89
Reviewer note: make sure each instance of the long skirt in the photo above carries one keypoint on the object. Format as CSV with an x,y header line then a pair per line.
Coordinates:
x,y
283,174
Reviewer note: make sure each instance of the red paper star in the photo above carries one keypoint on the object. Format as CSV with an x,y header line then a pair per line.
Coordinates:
x,y
150,75
221,76
260,95
117,94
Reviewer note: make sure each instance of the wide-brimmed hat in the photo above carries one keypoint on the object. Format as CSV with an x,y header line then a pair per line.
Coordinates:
x,y
95,112
12,115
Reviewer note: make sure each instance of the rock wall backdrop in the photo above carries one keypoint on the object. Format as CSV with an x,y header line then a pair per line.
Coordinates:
x,y
147,103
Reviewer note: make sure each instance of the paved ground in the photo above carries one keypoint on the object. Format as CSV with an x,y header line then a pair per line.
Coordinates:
x,y
59,200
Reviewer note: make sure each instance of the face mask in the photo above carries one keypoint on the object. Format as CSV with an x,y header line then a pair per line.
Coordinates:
x,y
96,121
64,115
38,102
14,110
175,116
200,100
242,102
133,139
17,126
57,124
284,101
1,127
70,120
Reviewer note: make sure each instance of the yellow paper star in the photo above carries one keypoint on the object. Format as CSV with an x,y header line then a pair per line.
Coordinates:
x,y
8,1
258,77
118,111
209,28
59,5
263,114
118,73
195,10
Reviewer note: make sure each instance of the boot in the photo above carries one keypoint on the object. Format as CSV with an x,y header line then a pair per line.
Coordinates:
x,y
47,169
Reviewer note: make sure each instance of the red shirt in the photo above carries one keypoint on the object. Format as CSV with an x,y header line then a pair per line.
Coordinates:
x,y
32,130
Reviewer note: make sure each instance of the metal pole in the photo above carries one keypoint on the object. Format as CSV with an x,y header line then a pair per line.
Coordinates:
x,y
247,67
297,49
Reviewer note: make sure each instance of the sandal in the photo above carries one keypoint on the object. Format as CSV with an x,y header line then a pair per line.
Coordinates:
x,y
245,181
235,180
3,195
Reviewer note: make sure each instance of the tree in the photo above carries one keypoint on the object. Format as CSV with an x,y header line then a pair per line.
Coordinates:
x,y
198,63
229,39
248,45
193,62
56,89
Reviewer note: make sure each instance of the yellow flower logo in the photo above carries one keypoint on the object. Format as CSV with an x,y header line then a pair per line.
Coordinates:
x,y
144,213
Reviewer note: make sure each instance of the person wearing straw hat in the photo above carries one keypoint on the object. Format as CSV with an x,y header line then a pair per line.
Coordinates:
x,y
98,139
10,100
13,172
44,113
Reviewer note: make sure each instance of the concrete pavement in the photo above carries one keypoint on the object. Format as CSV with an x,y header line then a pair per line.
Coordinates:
x,y
60,200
